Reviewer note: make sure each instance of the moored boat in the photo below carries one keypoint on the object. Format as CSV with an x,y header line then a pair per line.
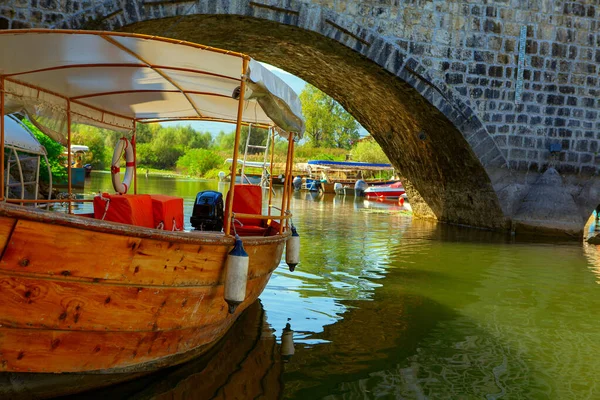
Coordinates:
x,y
393,191
340,177
126,289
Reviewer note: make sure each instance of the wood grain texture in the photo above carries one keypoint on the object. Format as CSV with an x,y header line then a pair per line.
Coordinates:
x,y
55,304
32,350
248,350
54,350
80,295
91,224
69,253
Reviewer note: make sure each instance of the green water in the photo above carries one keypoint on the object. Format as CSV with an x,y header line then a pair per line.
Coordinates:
x,y
383,306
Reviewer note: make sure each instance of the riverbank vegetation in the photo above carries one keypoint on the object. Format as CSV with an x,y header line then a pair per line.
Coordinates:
x,y
331,134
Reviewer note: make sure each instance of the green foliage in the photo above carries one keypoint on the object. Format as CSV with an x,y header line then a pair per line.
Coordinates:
x,y
54,151
258,137
225,140
369,151
197,162
145,155
306,152
213,173
327,123
160,146
95,139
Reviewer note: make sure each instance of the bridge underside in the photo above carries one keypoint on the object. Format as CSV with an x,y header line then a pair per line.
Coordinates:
x,y
445,180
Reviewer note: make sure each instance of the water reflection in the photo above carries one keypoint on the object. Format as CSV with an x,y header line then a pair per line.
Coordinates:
x,y
385,306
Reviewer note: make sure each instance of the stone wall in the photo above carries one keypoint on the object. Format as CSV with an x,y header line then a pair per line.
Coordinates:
x,y
473,46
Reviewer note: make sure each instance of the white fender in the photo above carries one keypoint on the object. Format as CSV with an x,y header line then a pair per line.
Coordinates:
x,y
292,250
287,343
236,275
122,187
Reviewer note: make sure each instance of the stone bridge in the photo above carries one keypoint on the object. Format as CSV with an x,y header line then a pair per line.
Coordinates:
x,y
489,109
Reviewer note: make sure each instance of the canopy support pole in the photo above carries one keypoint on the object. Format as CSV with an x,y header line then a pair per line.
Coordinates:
x,y
69,155
2,137
20,169
236,145
272,133
134,145
288,179
246,152
285,181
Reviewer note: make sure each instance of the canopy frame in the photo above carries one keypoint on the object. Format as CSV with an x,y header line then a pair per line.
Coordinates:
x,y
74,102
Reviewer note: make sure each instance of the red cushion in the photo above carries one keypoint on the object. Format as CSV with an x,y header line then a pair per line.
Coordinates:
x,y
132,209
167,209
248,200
250,230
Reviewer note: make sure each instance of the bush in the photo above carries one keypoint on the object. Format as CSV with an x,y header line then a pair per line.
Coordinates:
x,y
197,162
213,173
306,152
54,151
369,151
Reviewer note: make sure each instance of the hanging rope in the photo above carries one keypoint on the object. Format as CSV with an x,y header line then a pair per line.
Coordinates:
x,y
107,200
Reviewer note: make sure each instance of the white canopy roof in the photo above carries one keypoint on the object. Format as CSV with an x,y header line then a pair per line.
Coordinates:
x,y
112,79
18,136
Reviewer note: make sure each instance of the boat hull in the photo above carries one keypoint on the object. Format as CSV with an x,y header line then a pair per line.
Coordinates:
x,y
382,193
81,295
393,191
246,356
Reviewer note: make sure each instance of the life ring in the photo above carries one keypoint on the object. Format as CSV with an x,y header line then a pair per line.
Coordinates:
x,y
122,187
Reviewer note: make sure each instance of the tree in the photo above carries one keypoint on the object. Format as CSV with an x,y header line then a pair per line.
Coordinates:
x,y
197,162
327,123
95,139
224,140
258,137
368,150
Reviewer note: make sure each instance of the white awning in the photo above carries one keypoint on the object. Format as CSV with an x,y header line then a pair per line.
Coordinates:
x,y
18,136
112,79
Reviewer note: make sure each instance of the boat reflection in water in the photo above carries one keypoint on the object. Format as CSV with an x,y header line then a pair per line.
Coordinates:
x,y
246,363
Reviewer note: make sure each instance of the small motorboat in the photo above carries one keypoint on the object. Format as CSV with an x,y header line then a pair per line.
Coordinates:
x,y
392,191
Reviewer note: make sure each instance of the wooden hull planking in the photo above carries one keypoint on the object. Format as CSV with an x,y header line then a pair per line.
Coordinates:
x,y
81,299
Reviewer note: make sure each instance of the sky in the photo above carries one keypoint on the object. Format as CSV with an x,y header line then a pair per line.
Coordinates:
x,y
214,128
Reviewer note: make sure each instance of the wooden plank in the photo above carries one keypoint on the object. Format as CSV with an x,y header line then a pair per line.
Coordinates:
x,y
244,365
6,227
91,224
68,253
32,350
68,305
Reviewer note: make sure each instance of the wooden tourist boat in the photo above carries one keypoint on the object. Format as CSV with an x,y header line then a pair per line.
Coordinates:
x,y
83,295
342,175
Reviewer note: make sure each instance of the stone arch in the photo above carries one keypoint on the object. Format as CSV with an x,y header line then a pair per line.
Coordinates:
x,y
433,138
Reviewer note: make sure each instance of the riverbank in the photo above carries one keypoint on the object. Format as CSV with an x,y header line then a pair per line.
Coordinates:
x,y
161,172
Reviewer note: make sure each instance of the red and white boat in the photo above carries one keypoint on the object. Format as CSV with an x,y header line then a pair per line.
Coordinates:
x,y
392,191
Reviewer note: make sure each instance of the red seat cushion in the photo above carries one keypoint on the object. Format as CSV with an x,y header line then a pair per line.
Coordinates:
x,y
132,209
250,230
248,200
168,210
